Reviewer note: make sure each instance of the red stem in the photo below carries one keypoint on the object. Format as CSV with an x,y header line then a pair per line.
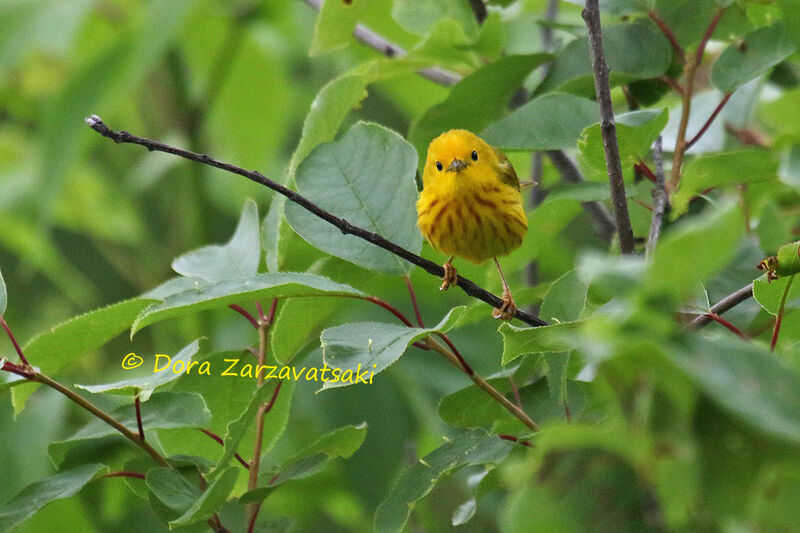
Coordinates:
x,y
512,438
8,366
709,121
239,309
413,296
467,368
137,405
709,32
515,391
270,319
222,443
14,342
667,31
273,397
642,167
779,317
261,316
252,523
718,319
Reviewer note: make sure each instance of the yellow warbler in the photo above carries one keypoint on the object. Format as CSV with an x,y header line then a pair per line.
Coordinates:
x,y
470,205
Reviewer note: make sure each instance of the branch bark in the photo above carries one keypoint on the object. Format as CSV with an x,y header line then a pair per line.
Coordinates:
x,y
726,304
591,15
344,226
660,199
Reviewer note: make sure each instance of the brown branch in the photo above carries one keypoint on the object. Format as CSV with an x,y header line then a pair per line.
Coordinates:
x,y
479,9
710,120
726,304
644,169
601,220
701,49
667,31
512,438
344,226
138,407
591,15
389,49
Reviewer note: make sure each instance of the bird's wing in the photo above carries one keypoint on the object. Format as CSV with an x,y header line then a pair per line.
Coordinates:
x,y
506,170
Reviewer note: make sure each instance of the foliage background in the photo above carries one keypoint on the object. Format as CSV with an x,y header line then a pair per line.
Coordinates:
x,y
85,223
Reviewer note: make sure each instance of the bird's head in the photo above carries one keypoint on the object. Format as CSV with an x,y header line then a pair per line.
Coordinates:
x,y
454,152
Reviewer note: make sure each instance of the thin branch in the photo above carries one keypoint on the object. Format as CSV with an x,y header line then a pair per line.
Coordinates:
x,y
414,303
660,199
242,311
667,31
689,71
510,406
344,226
726,304
102,415
601,220
591,15
709,121
138,407
14,342
719,320
221,442
389,49
779,317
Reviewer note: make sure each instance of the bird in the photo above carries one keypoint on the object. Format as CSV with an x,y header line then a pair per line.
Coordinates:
x,y
470,206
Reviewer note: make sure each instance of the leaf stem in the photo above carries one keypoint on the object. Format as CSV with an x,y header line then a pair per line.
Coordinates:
x,y
591,15
221,442
14,341
779,317
344,226
719,320
512,438
124,473
709,121
667,31
242,311
413,297
138,407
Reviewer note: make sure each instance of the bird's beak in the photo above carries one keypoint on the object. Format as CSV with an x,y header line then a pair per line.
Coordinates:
x,y
456,165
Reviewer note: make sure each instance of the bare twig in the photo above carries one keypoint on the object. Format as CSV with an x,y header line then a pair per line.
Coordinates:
x,y
479,9
344,226
600,219
660,199
591,15
709,121
726,304
389,49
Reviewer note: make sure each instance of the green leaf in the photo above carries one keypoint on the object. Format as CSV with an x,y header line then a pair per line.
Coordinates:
x,y
768,294
236,430
746,380
335,24
69,341
476,100
755,54
144,386
636,132
165,410
773,229
3,295
183,296
37,495
238,259
367,178
172,489
565,299
210,501
690,254
360,349
550,122
299,322
621,8
789,171
342,442
720,169
472,448
791,18
572,71
420,16
521,341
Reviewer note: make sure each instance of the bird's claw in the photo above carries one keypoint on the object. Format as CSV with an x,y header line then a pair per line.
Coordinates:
x,y
507,310
450,276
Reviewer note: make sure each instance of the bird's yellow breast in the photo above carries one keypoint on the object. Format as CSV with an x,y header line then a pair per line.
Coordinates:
x,y
469,210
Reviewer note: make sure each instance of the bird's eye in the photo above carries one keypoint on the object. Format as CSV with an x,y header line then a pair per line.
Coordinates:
x,y
439,166
474,155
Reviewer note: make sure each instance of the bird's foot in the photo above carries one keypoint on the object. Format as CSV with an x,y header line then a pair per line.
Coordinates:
x,y
450,276
508,309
